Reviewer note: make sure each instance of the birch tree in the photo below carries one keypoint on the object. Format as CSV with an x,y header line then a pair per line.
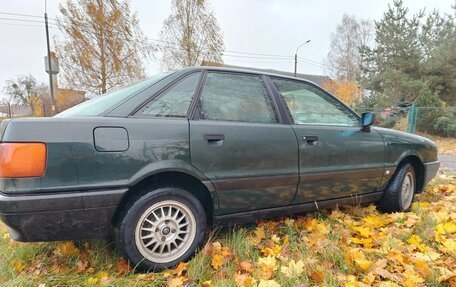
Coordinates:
x,y
344,58
104,47
191,35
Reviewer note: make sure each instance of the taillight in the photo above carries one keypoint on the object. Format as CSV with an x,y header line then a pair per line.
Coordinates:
x,y
22,160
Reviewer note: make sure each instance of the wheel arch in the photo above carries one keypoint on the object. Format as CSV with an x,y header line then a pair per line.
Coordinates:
x,y
181,179
418,166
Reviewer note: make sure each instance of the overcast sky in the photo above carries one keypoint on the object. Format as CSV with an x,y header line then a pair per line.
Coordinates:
x,y
249,26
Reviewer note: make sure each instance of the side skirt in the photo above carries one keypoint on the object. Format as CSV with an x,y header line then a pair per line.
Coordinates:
x,y
254,215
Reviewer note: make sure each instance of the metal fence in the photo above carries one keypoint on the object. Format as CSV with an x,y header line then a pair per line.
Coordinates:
x,y
439,121
14,111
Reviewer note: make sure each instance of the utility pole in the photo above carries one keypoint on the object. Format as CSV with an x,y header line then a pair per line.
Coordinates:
x,y
296,57
51,86
296,62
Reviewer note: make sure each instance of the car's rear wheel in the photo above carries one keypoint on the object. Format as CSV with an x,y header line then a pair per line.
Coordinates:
x,y
400,192
161,228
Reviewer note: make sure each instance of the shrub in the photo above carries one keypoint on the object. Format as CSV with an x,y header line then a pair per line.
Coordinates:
x,y
430,111
445,126
388,123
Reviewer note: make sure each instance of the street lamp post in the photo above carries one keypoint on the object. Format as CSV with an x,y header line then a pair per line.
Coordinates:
x,y
296,56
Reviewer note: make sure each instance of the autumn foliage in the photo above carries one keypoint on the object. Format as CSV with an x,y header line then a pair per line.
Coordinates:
x,y
64,99
104,48
356,246
349,92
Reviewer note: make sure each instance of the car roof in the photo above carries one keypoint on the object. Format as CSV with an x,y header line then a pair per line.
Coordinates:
x,y
255,72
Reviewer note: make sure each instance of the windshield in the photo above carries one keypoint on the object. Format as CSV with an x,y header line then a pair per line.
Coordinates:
x,y
99,104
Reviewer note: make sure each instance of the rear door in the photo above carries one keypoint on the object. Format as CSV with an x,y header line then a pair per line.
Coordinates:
x,y
238,141
336,158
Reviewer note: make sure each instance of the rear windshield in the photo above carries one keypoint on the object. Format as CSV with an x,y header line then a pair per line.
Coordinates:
x,y
100,104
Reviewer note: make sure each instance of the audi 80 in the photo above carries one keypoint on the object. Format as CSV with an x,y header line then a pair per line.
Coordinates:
x,y
158,162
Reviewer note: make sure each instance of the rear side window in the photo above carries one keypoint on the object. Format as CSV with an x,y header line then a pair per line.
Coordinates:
x,y
175,101
236,97
100,104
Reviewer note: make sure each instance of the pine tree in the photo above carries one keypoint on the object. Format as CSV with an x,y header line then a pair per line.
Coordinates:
x,y
411,54
392,67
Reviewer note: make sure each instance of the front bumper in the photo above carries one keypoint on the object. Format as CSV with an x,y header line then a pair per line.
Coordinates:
x,y
60,216
430,171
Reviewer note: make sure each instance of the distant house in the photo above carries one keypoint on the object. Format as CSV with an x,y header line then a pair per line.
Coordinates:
x,y
317,79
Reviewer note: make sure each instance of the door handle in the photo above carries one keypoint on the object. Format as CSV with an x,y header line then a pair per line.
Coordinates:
x,y
310,139
214,137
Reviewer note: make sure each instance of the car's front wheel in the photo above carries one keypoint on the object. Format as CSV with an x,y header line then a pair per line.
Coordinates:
x,y
161,228
400,192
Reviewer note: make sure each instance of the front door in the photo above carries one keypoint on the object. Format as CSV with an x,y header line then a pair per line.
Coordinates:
x,y
336,158
238,142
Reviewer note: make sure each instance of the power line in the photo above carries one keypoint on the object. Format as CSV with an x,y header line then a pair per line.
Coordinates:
x,y
256,57
26,20
21,20
259,54
27,15
312,61
312,66
244,54
23,15
24,25
259,62
226,53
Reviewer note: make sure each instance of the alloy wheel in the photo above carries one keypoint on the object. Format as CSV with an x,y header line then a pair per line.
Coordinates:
x,y
165,231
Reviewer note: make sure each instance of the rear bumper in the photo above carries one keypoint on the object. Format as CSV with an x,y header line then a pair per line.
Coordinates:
x,y
430,171
60,216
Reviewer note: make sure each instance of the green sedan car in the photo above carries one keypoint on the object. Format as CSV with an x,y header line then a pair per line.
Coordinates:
x,y
160,161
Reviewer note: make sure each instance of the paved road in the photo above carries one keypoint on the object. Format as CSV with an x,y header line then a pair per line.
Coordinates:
x,y
447,161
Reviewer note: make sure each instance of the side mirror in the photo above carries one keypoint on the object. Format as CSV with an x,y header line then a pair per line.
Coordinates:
x,y
367,119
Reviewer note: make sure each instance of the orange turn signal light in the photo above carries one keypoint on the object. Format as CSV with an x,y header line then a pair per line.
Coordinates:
x,y
22,160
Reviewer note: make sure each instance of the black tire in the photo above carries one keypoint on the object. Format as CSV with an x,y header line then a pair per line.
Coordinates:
x,y
150,218
396,198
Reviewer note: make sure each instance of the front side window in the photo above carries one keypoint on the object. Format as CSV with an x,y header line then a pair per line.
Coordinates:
x,y
175,101
236,97
309,105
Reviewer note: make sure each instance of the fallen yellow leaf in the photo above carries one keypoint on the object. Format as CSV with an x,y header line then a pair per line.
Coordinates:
x,y
268,283
376,222
176,281
217,261
18,265
267,267
246,266
294,269
363,231
364,264
446,228
243,280
274,251
66,249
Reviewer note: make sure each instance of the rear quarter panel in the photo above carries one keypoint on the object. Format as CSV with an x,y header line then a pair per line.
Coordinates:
x,y
73,162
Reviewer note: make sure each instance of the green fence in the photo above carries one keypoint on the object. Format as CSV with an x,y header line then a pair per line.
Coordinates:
x,y
439,121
